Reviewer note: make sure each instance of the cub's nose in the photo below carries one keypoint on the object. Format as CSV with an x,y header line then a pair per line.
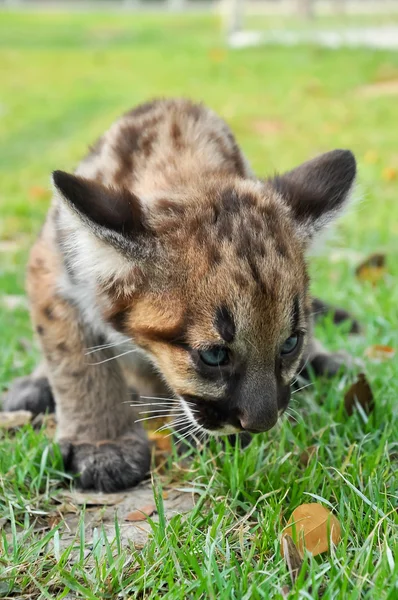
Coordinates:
x,y
257,424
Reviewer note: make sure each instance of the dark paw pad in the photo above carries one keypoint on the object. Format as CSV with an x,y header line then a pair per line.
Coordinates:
x,y
108,466
28,393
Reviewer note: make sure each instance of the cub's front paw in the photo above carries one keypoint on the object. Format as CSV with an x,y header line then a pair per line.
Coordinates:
x,y
109,465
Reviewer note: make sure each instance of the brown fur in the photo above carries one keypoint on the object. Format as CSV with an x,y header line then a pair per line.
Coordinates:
x,y
165,243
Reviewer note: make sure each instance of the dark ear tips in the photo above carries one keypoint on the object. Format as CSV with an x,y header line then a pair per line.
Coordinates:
x,y
317,190
57,177
101,207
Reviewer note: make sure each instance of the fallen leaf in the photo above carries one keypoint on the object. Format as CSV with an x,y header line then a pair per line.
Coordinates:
x,y
360,392
311,527
141,514
371,157
160,441
267,126
306,455
16,418
389,174
292,557
217,55
39,192
65,508
379,353
372,269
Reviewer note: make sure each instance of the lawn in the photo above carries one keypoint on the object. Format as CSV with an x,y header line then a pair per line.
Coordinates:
x,y
64,78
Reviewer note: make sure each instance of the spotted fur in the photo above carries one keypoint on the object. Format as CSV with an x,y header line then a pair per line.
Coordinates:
x,y
165,243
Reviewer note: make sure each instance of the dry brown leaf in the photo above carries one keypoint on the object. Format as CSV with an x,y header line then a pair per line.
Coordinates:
x,y
379,353
267,126
38,192
14,419
292,557
360,392
141,514
389,174
306,455
311,527
372,269
161,442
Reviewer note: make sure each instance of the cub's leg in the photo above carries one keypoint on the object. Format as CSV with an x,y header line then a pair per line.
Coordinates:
x,y
317,358
339,315
31,393
99,439
322,362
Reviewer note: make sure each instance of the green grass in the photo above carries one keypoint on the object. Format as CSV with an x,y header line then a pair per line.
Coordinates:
x,y
64,78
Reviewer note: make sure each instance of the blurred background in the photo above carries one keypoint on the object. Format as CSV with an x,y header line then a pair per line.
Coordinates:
x,y
293,78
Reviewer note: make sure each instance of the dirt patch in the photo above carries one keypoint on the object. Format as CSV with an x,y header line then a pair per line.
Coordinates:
x,y
101,509
267,126
378,89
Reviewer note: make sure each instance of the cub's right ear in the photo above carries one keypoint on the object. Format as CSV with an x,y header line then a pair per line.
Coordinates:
x,y
104,210
318,190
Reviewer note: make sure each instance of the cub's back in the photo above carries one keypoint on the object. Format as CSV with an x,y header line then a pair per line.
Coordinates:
x,y
161,145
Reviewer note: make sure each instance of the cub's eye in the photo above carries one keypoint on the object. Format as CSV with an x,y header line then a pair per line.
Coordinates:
x,y
290,344
214,357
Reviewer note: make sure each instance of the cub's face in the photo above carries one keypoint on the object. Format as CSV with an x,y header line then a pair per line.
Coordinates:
x,y
213,284
230,327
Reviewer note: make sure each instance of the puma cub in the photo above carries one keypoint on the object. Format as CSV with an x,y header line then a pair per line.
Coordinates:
x,y
166,263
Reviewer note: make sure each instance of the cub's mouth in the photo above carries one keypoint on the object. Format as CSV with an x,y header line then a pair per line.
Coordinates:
x,y
221,417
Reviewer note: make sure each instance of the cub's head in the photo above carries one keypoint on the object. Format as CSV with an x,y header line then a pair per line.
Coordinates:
x,y
210,281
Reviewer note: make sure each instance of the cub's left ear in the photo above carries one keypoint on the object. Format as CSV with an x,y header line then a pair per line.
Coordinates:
x,y
318,190
100,208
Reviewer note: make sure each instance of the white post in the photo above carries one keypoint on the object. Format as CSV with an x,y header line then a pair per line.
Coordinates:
x,y
235,16
305,8
175,5
131,3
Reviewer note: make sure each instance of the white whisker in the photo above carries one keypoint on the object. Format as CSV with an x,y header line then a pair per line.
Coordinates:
x,y
153,417
302,388
158,410
157,398
111,358
190,426
164,398
289,414
252,345
154,404
104,347
173,424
